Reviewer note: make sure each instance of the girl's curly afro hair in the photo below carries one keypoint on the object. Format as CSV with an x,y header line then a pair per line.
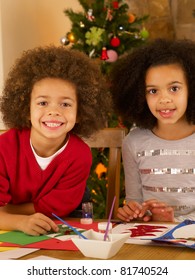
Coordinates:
x,y
94,102
128,87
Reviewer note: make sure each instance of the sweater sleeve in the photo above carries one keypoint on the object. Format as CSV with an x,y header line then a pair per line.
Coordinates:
x,y
5,197
133,187
190,216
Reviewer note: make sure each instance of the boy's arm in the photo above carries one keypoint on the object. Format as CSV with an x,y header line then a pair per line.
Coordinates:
x,y
33,224
25,208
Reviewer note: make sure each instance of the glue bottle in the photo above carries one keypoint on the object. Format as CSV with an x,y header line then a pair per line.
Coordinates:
x,y
87,213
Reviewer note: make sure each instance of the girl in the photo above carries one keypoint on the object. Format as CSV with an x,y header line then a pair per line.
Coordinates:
x,y
52,97
153,88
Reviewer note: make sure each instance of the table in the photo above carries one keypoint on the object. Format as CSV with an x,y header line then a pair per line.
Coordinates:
x,y
127,252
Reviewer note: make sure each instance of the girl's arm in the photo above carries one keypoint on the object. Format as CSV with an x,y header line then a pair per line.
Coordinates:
x,y
133,187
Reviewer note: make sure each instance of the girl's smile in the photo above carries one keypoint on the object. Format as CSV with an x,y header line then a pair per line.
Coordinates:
x,y
166,113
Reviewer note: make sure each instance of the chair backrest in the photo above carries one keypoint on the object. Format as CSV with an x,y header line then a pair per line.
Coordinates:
x,y
110,138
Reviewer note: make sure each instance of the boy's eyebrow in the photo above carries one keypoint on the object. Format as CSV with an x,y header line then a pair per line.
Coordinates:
x,y
45,96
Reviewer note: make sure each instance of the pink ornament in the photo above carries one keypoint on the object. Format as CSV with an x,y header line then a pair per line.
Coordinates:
x,y
112,56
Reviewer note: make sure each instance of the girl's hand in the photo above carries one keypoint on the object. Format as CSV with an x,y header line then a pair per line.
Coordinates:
x,y
160,211
36,224
129,211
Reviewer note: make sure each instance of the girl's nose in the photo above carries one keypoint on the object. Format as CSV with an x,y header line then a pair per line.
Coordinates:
x,y
165,98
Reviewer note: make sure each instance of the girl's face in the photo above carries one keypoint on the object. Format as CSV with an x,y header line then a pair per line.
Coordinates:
x,y
53,109
167,93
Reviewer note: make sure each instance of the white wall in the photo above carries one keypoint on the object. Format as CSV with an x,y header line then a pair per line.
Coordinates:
x,y
26,24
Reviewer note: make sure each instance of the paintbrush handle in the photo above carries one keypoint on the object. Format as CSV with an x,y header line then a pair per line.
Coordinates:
x,y
109,219
68,225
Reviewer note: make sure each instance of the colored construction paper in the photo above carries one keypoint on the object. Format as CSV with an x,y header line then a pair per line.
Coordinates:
x,y
52,241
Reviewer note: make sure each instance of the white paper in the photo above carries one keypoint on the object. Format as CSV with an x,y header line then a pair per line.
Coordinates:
x,y
16,253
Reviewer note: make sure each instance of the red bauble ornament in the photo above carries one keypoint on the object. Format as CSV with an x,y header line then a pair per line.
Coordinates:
x,y
115,4
104,55
115,42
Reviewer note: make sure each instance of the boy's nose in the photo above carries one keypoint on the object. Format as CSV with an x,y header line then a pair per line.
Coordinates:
x,y
53,111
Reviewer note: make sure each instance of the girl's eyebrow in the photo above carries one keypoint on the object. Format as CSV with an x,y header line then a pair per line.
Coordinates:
x,y
176,82
150,86
171,83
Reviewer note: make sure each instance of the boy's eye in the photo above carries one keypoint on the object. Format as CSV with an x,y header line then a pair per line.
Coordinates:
x,y
42,103
65,104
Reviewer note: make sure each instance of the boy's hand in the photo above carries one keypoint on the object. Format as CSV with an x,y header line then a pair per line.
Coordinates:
x,y
36,224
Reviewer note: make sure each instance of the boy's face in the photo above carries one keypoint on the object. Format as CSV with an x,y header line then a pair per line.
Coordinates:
x,y
167,93
53,108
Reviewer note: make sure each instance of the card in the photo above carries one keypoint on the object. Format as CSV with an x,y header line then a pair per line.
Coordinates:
x,y
183,235
142,233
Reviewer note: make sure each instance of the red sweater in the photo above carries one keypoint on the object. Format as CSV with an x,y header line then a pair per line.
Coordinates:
x,y
58,189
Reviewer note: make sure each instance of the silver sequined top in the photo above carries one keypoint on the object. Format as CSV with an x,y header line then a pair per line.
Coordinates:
x,y
161,169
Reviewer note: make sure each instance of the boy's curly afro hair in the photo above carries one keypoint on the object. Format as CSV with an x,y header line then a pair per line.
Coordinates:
x,y
128,87
56,62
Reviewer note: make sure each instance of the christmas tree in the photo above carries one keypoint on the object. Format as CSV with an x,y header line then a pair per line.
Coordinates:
x,y
104,31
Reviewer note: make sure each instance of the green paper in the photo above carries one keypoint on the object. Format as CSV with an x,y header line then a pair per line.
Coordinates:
x,y
21,238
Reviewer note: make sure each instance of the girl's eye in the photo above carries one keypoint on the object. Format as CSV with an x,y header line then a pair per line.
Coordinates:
x,y
174,89
151,91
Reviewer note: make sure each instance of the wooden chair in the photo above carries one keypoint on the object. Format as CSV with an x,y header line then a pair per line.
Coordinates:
x,y
110,138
